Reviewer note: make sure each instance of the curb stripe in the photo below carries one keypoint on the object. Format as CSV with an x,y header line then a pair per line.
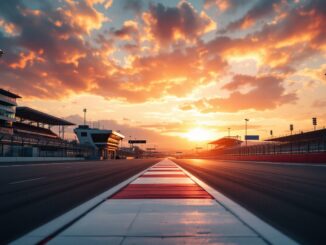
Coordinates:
x,y
155,183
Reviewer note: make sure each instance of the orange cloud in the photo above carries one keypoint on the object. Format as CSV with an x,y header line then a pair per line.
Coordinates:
x,y
28,58
76,62
8,27
267,93
83,15
223,5
260,10
168,24
128,31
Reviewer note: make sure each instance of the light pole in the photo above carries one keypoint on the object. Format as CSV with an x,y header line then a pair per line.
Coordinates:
x,y
246,127
85,110
291,128
121,139
314,122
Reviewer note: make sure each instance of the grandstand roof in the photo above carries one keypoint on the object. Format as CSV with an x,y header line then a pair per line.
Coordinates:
x,y
307,136
9,94
225,140
41,117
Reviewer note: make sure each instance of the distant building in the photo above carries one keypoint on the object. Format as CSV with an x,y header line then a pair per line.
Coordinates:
x,y
226,142
303,137
8,105
105,142
131,152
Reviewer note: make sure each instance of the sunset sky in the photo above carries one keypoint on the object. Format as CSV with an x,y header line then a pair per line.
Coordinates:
x,y
169,71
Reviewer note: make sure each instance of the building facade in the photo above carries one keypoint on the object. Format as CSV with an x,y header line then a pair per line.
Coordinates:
x,y
105,142
8,105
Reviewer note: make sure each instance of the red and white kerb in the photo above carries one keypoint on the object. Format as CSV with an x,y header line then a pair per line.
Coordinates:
x,y
164,180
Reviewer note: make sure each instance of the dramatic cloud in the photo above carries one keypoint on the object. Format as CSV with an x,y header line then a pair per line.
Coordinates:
x,y
225,5
58,48
158,76
261,10
47,53
181,22
264,93
128,31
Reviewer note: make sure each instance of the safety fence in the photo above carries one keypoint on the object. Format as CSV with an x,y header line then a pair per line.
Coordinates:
x,y
278,148
35,146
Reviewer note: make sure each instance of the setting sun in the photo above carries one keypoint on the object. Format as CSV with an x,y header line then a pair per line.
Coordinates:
x,y
199,134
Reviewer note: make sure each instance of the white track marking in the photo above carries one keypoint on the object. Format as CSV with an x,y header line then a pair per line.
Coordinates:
x,y
24,181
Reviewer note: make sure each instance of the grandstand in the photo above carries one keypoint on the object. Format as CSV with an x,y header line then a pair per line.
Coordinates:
x,y
38,123
311,136
27,133
7,110
32,137
226,142
302,143
21,128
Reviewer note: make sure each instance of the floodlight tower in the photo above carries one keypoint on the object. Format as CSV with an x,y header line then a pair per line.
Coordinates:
x,y
314,122
85,111
246,128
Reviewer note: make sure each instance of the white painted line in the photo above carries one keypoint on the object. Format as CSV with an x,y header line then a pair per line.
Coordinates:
x,y
51,227
163,180
164,173
268,232
165,169
24,181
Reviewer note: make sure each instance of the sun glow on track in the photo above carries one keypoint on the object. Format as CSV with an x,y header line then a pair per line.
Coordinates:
x,y
199,134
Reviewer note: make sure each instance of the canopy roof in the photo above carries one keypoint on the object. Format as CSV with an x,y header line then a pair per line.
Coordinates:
x,y
307,136
225,140
40,117
9,94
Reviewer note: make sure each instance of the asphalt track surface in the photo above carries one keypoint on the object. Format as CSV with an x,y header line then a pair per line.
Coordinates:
x,y
292,198
32,195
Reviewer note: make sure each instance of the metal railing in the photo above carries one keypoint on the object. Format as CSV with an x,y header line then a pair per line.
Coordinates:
x,y
17,146
277,148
